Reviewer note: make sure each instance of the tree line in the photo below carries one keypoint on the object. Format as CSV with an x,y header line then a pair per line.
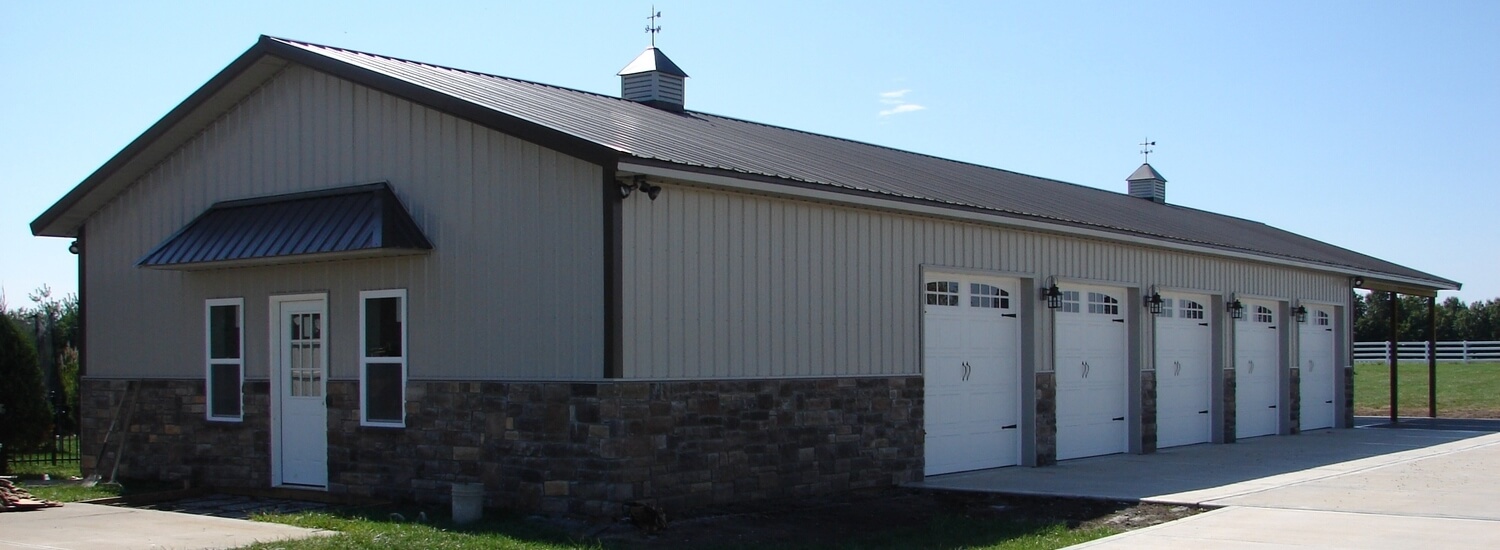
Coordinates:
x,y
1475,321
38,371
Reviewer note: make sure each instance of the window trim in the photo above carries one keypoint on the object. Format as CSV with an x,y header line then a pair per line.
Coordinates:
x,y
209,362
365,361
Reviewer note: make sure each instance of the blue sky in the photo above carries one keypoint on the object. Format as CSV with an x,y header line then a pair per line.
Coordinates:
x,y
1371,125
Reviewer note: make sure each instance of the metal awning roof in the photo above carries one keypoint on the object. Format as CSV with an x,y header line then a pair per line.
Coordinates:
x,y
348,222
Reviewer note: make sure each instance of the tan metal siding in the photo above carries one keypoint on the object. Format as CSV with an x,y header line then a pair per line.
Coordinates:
x,y
513,289
723,284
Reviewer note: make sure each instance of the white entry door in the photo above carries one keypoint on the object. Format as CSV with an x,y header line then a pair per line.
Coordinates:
x,y
301,372
1257,362
972,368
1091,362
1315,357
1184,376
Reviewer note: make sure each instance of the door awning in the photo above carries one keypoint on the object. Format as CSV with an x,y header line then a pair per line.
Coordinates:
x,y
362,221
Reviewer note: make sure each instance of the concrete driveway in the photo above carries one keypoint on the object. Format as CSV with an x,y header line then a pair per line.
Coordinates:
x,y
91,526
1359,488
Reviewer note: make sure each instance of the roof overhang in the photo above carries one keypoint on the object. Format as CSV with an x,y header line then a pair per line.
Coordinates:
x,y
823,193
364,221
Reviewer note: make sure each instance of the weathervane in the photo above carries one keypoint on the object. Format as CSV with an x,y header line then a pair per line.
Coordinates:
x,y
652,28
1146,149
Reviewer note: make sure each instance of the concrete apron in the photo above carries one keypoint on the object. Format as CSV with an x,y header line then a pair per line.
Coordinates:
x,y
1360,488
93,526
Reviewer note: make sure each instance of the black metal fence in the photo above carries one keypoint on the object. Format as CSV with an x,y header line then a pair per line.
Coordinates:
x,y
61,451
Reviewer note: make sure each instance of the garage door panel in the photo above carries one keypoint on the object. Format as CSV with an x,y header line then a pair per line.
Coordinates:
x,y
1257,369
1184,383
971,363
1316,361
1091,366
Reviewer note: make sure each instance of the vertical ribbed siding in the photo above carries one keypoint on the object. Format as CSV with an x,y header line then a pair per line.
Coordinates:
x,y
512,289
721,284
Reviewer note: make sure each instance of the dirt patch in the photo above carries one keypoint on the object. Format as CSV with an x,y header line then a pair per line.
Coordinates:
x,y
869,515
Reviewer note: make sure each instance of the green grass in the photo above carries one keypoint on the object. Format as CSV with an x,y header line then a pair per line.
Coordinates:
x,y
376,531
72,492
1463,390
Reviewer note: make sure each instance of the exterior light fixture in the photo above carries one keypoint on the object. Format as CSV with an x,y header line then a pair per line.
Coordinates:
x,y
1359,282
650,190
638,182
1236,309
1052,294
74,248
1301,313
1154,302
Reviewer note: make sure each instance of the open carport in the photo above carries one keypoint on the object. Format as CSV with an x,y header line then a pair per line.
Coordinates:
x,y
1359,488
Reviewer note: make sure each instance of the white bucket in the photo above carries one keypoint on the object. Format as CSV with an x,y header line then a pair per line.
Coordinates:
x,y
468,502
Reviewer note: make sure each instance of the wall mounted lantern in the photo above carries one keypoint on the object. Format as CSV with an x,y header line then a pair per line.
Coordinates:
x,y
1359,282
1301,313
1154,302
1236,309
1052,294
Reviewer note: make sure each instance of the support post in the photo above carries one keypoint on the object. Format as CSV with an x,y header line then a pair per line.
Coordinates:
x,y
1432,356
1395,353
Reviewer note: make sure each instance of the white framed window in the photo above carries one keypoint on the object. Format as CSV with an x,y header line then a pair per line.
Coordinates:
x,y
942,293
382,364
988,296
1263,314
1192,310
224,359
1323,319
1070,301
1103,304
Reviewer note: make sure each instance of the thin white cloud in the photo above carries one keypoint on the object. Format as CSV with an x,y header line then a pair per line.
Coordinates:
x,y
902,108
897,99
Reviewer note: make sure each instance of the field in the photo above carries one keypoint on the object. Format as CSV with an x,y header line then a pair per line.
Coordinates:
x,y
1463,390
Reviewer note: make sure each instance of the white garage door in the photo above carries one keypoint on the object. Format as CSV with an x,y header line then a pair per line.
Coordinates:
x,y
972,368
1257,361
1184,378
1091,350
1315,345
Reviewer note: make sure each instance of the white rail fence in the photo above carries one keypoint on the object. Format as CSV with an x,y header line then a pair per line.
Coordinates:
x,y
1417,351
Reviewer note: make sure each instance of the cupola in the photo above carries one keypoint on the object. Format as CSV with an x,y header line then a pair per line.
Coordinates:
x,y
653,79
1147,183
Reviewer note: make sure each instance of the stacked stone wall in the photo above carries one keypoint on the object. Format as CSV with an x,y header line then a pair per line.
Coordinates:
x,y
564,448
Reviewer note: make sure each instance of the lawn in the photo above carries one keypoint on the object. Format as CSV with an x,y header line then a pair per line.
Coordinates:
x,y
1463,390
378,531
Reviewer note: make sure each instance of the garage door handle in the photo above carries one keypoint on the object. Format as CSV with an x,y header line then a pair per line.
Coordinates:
x,y
1120,418
1118,320
1177,368
1252,367
1271,406
1202,412
1010,427
967,370
1202,324
1311,365
1011,315
1330,401
1086,369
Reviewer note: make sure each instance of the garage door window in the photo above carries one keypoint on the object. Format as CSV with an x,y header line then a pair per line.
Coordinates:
x,y
988,296
1103,304
1323,319
1263,314
1070,301
942,293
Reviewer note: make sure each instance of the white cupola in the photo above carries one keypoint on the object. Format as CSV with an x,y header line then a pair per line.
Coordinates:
x,y
1147,183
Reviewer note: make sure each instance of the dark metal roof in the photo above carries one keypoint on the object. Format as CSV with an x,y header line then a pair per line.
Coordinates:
x,y
608,130
347,222
1145,172
652,60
